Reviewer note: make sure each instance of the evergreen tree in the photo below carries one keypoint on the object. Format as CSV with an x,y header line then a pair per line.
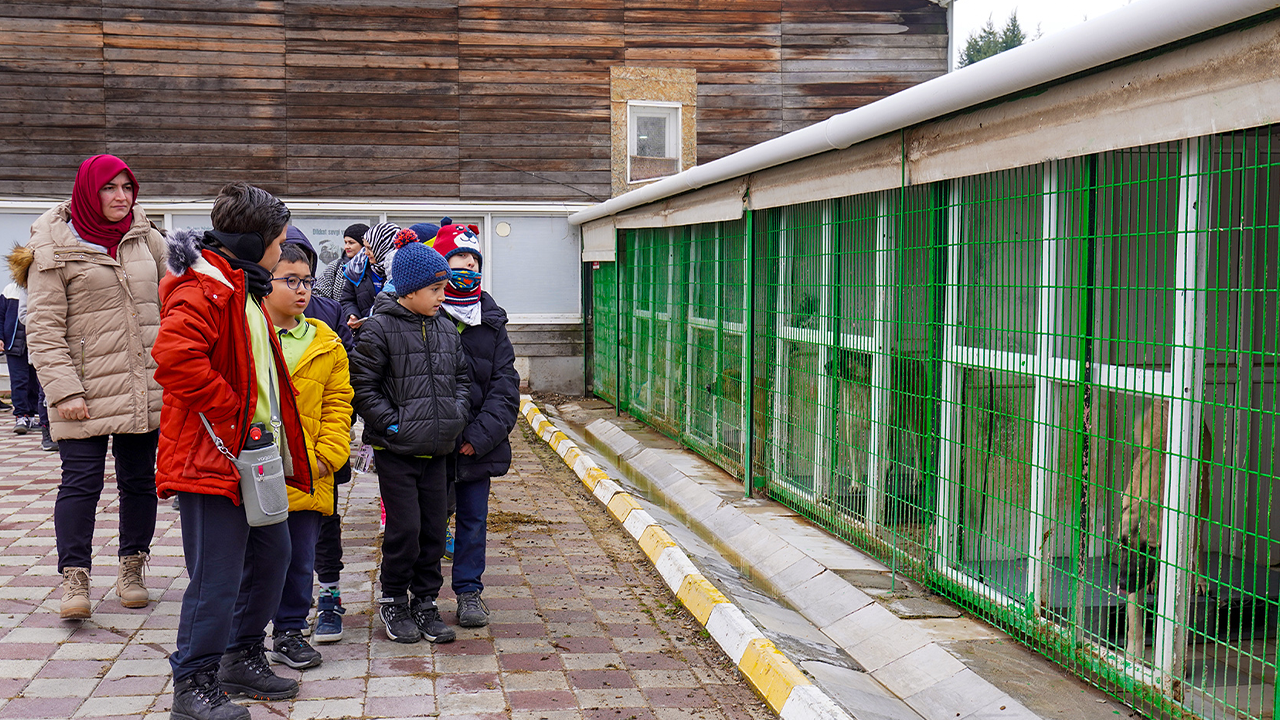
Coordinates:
x,y
988,41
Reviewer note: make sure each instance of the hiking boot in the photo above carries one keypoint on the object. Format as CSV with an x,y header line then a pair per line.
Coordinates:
x,y
472,612
200,697
427,617
329,613
397,619
246,672
129,586
21,426
47,443
290,649
75,594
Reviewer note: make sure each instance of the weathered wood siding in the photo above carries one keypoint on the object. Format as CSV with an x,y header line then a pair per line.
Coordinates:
x,y
471,100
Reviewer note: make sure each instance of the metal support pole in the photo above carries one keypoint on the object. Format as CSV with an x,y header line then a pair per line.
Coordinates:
x,y
749,377
1182,454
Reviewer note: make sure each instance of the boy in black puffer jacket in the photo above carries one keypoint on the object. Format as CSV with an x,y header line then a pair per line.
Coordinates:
x,y
414,394
484,449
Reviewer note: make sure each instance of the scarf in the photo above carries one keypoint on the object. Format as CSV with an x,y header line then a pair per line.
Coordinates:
x,y
462,296
86,206
378,241
248,249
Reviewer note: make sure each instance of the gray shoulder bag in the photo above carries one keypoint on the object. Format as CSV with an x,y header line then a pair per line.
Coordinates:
x,y
262,489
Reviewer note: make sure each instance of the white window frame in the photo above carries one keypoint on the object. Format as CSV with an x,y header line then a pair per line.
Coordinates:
x,y
673,111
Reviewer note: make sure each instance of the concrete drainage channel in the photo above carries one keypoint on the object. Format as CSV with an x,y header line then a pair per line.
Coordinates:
x,y
876,644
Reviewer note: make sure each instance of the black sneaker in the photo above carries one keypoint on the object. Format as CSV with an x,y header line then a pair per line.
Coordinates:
x,y
472,612
200,697
246,672
47,443
21,426
290,649
427,617
396,617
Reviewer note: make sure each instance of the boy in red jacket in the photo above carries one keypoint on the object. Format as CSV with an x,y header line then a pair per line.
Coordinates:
x,y
216,355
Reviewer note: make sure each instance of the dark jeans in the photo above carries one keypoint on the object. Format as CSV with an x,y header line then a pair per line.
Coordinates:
x,y
84,463
24,387
237,575
413,492
329,545
295,600
469,537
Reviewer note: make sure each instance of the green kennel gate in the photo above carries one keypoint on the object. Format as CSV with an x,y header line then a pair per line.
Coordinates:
x,y
1047,392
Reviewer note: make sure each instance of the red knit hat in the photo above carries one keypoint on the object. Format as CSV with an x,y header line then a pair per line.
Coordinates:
x,y
454,239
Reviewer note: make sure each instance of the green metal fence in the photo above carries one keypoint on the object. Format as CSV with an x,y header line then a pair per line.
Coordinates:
x,y
1047,392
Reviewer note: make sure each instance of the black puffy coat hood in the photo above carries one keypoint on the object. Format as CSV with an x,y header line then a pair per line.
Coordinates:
x,y
495,394
409,373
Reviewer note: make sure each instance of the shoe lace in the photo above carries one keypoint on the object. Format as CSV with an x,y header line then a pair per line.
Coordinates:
x,y
206,686
255,660
77,581
131,568
469,602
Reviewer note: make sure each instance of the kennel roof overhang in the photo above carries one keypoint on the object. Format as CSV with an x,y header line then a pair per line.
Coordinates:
x,y
922,134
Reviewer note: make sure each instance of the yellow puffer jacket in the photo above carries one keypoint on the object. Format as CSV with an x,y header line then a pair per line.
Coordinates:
x,y
324,402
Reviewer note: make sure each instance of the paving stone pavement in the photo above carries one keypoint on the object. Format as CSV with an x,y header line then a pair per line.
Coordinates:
x,y
583,628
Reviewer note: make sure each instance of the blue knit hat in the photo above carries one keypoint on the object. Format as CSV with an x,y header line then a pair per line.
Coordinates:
x,y
416,266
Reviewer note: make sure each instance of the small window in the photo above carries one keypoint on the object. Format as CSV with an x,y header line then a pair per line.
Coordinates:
x,y
653,140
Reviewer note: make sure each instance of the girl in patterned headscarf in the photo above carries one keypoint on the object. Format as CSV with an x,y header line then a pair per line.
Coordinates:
x,y
365,275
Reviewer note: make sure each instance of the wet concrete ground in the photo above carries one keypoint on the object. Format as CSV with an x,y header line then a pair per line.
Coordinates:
x,y
583,628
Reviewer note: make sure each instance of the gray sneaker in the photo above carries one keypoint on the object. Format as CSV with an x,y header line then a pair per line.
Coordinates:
x,y
472,612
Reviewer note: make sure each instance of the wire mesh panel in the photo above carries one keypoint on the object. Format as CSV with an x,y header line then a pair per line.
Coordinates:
x,y
604,329
1049,392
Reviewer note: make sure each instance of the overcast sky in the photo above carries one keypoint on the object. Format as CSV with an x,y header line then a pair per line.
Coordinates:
x,y
1050,15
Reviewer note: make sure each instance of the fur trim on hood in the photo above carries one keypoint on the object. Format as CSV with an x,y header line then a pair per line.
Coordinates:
x,y
184,249
20,259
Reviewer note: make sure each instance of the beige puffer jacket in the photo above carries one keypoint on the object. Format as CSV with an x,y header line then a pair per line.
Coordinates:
x,y
91,322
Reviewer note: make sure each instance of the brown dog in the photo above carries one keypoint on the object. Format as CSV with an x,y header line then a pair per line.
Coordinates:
x,y
1140,513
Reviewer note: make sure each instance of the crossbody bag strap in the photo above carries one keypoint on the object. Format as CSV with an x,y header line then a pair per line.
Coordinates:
x,y
275,419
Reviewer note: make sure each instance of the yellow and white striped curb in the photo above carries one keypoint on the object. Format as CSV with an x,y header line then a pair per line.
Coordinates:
x,y
782,685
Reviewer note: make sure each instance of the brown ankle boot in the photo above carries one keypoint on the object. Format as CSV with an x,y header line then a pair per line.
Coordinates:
x,y
129,585
75,594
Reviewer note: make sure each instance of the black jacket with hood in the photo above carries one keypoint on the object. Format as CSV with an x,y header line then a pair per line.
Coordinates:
x,y
495,394
411,381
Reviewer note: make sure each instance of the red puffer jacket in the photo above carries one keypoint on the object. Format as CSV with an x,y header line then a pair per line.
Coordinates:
x,y
204,364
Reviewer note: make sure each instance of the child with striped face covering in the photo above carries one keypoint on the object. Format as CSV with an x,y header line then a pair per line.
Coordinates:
x,y
484,451
460,246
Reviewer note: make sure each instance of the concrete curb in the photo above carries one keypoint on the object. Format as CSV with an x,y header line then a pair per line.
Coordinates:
x,y
782,685
923,678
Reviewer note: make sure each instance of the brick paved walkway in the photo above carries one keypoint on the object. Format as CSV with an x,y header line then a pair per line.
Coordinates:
x,y
583,628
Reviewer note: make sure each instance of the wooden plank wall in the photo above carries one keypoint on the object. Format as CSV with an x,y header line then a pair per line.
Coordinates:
x,y
470,99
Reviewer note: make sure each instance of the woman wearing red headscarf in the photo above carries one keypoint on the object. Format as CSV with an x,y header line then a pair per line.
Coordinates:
x,y
93,313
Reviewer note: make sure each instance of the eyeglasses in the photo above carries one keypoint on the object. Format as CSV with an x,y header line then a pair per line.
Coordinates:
x,y
293,283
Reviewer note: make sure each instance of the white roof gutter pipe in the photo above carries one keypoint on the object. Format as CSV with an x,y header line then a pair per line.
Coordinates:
x,y
1129,30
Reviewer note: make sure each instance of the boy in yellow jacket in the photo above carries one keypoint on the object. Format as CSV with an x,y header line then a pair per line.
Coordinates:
x,y
318,365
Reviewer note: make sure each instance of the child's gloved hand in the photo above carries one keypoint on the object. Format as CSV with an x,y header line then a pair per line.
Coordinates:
x,y
393,428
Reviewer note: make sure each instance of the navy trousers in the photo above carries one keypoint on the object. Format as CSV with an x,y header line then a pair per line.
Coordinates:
x,y
84,464
470,534
24,387
237,575
295,600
